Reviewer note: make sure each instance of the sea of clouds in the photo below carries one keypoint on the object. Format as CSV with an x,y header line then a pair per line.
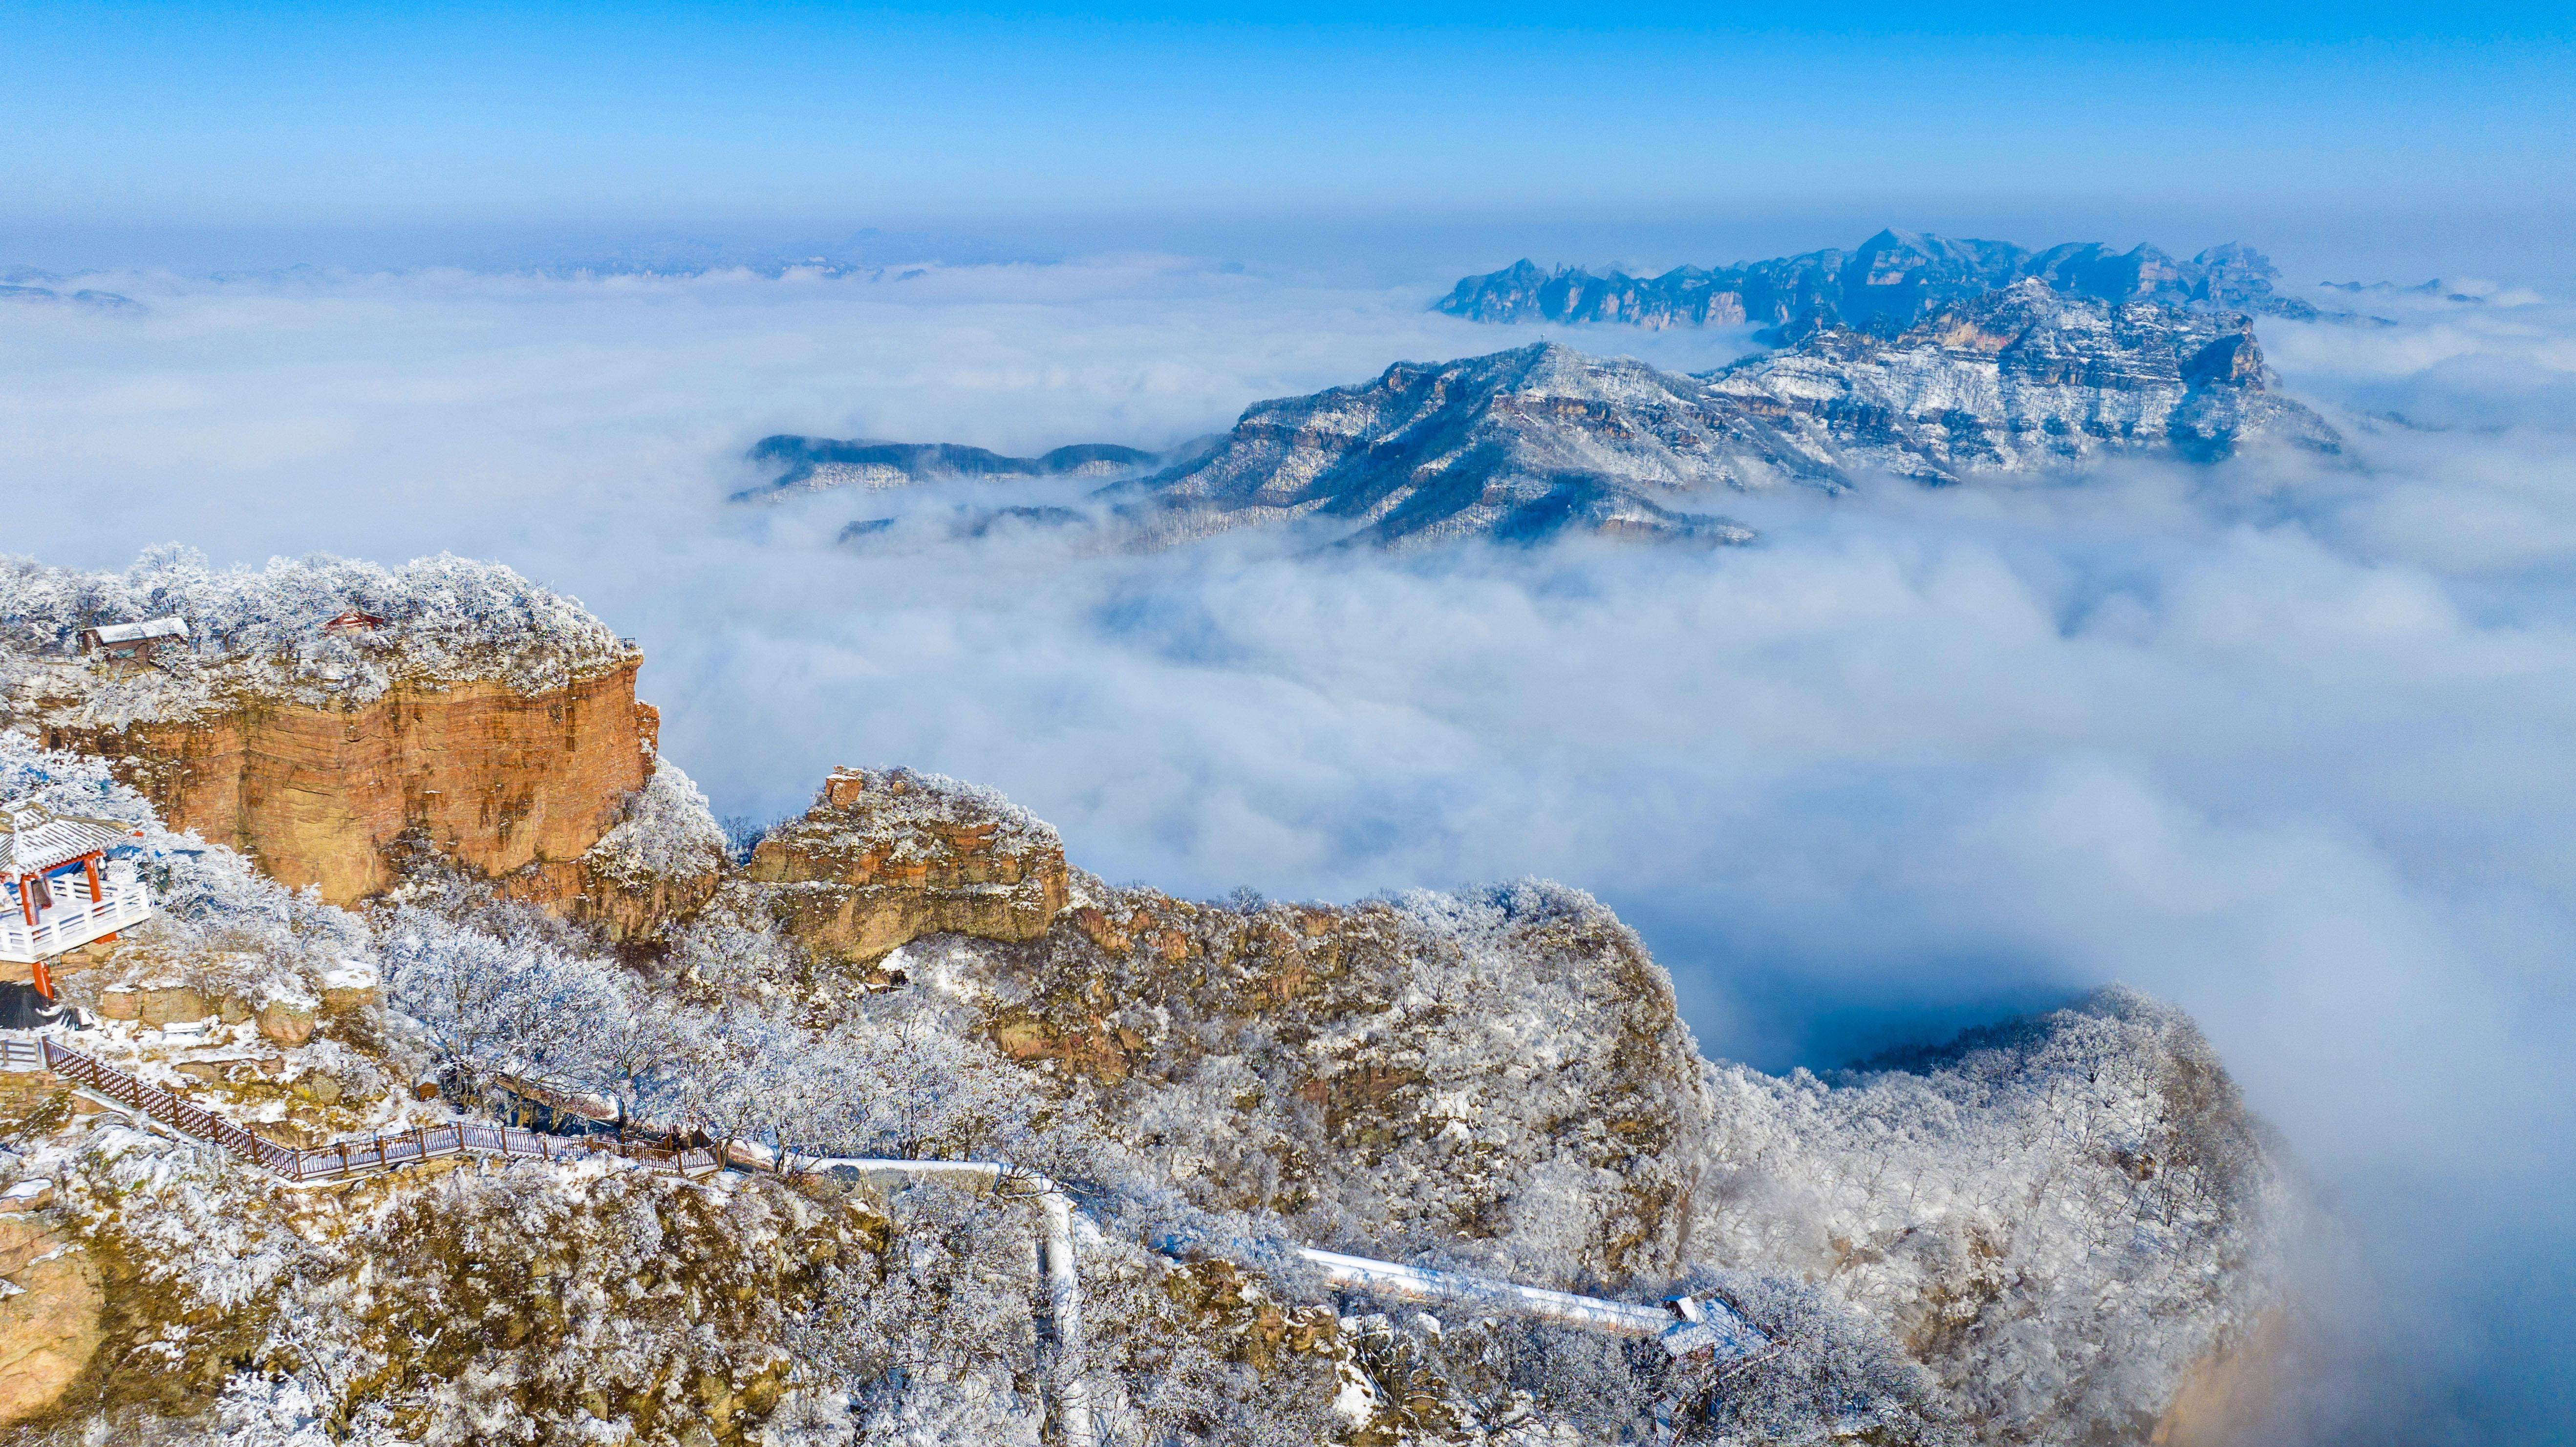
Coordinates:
x,y
2287,744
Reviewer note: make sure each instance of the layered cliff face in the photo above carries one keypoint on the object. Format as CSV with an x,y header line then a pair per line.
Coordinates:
x,y
455,707
884,858
504,782
1887,284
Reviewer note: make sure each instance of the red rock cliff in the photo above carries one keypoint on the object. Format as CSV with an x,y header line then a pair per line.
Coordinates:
x,y
516,785
884,858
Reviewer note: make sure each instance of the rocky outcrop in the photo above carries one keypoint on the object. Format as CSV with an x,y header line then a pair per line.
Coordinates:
x,y
886,857
318,711
2069,1224
51,1321
1498,1076
504,781
1886,285
658,867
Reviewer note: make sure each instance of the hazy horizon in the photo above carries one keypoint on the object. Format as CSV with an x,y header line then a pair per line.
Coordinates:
x,y
2283,743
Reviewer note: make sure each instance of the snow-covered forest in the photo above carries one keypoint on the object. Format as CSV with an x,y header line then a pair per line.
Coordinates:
x,y
2034,1234
264,629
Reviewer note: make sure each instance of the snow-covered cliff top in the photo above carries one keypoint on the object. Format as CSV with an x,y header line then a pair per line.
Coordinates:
x,y
264,632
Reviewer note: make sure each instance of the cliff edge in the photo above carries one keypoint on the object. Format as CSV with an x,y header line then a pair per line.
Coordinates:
x,y
322,715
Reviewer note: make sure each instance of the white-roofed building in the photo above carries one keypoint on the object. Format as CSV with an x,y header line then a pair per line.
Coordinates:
x,y
134,640
59,890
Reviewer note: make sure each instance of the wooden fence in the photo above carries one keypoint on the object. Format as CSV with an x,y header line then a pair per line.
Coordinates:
x,y
350,1157
1684,1326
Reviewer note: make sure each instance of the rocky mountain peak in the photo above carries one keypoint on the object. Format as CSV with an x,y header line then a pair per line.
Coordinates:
x,y
1884,286
1543,439
2020,379
1513,446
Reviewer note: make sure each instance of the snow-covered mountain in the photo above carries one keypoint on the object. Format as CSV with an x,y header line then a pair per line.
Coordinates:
x,y
1517,446
2059,1230
1886,285
2023,379
1543,440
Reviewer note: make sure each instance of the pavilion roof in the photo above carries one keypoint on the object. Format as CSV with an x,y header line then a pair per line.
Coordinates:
x,y
34,839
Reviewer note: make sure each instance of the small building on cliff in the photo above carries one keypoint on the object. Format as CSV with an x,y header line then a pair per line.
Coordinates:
x,y
59,886
137,641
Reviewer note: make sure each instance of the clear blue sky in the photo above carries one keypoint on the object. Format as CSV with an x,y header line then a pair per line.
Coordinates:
x,y
144,118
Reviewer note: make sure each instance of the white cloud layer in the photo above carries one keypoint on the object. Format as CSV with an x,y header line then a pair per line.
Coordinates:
x,y
2288,747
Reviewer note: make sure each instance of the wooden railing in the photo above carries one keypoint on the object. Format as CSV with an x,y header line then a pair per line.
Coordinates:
x,y
1684,1326
341,1158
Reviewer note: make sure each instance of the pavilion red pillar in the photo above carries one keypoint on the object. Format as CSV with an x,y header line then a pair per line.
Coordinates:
x,y
89,866
44,980
27,899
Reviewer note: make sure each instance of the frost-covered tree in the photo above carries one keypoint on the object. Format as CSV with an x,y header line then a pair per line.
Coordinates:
x,y
264,629
939,1339
491,1005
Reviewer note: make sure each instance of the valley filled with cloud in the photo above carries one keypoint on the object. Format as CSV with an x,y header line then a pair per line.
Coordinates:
x,y
2284,741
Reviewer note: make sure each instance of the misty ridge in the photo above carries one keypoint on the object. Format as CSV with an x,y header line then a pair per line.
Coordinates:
x,y
1916,357
2230,730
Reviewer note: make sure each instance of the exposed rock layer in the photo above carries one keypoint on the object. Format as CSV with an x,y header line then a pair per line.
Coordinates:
x,y
51,1321
515,785
884,858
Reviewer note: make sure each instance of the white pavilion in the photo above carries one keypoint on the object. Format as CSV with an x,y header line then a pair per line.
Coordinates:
x,y
59,890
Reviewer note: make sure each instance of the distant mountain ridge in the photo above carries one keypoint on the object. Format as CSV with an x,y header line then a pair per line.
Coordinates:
x,y
22,284
1544,440
1888,284
818,464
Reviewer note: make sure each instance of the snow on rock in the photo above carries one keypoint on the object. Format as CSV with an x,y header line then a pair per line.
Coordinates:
x,y
884,857
659,865
1542,440
668,830
263,631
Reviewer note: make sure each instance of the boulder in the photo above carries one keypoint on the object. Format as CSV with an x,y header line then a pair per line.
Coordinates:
x,y
350,989
288,1022
120,1002
173,1005
49,1327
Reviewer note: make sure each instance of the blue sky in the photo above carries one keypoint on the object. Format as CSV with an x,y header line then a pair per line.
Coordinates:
x,y
168,121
